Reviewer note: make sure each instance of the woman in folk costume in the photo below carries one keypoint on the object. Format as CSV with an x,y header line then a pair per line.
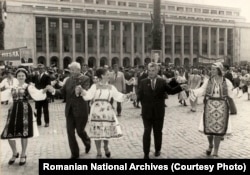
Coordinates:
x,y
103,121
7,83
181,79
20,123
215,122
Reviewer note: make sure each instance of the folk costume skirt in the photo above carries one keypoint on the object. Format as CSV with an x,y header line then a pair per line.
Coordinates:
x,y
215,119
20,122
103,121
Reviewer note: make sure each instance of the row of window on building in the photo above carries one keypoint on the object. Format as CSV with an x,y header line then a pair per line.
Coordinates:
x,y
163,7
67,38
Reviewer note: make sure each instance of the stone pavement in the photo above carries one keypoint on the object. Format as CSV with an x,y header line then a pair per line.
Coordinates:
x,y
181,138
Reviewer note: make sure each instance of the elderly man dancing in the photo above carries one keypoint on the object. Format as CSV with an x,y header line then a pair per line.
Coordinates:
x,y
76,109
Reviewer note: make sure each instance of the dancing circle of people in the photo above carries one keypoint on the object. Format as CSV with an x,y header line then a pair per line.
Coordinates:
x,y
89,96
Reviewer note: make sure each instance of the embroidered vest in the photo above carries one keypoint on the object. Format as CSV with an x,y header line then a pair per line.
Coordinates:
x,y
211,86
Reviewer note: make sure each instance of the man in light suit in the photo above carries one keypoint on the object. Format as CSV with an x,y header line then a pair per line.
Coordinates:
x,y
152,96
76,108
118,80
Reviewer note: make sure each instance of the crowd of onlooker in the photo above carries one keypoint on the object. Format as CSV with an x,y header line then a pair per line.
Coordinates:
x,y
239,76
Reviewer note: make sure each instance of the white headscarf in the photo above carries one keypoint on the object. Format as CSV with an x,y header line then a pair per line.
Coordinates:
x,y
218,65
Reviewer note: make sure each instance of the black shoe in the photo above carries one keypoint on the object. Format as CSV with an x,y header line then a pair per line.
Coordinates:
x,y
118,115
134,104
46,125
74,157
39,123
87,148
185,103
108,154
13,159
157,153
146,156
209,150
22,163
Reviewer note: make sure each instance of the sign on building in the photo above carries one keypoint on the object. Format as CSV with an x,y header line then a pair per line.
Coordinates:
x,y
26,57
10,54
156,56
17,56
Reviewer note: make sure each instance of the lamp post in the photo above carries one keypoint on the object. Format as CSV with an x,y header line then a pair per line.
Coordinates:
x,y
157,25
2,14
1,27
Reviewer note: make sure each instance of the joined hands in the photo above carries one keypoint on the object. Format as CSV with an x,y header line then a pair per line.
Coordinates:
x,y
49,88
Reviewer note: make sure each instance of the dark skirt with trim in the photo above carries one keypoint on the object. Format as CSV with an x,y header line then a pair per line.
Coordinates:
x,y
19,122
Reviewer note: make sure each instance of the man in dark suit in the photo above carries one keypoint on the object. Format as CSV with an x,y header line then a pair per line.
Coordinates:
x,y
152,95
87,72
76,109
229,76
41,81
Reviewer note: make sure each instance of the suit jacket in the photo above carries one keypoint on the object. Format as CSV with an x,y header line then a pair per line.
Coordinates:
x,y
229,76
73,102
87,73
141,77
153,101
41,83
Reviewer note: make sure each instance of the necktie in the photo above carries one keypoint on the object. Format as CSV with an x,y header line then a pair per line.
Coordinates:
x,y
115,75
153,83
39,77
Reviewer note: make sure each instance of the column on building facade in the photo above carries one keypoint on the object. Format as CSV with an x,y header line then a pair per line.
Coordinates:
x,y
182,45
60,44
200,40
217,42
225,42
236,45
132,44
143,44
163,43
110,41
209,42
73,40
34,55
98,43
191,44
86,41
47,41
173,43
121,43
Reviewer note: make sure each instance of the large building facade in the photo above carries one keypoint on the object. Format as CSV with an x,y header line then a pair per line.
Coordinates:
x,y
99,32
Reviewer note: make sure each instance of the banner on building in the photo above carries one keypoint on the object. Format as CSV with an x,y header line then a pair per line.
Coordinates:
x,y
10,54
207,61
17,56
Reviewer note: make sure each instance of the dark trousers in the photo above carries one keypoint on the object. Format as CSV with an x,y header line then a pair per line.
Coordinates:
x,y
157,125
76,122
119,106
42,105
232,106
